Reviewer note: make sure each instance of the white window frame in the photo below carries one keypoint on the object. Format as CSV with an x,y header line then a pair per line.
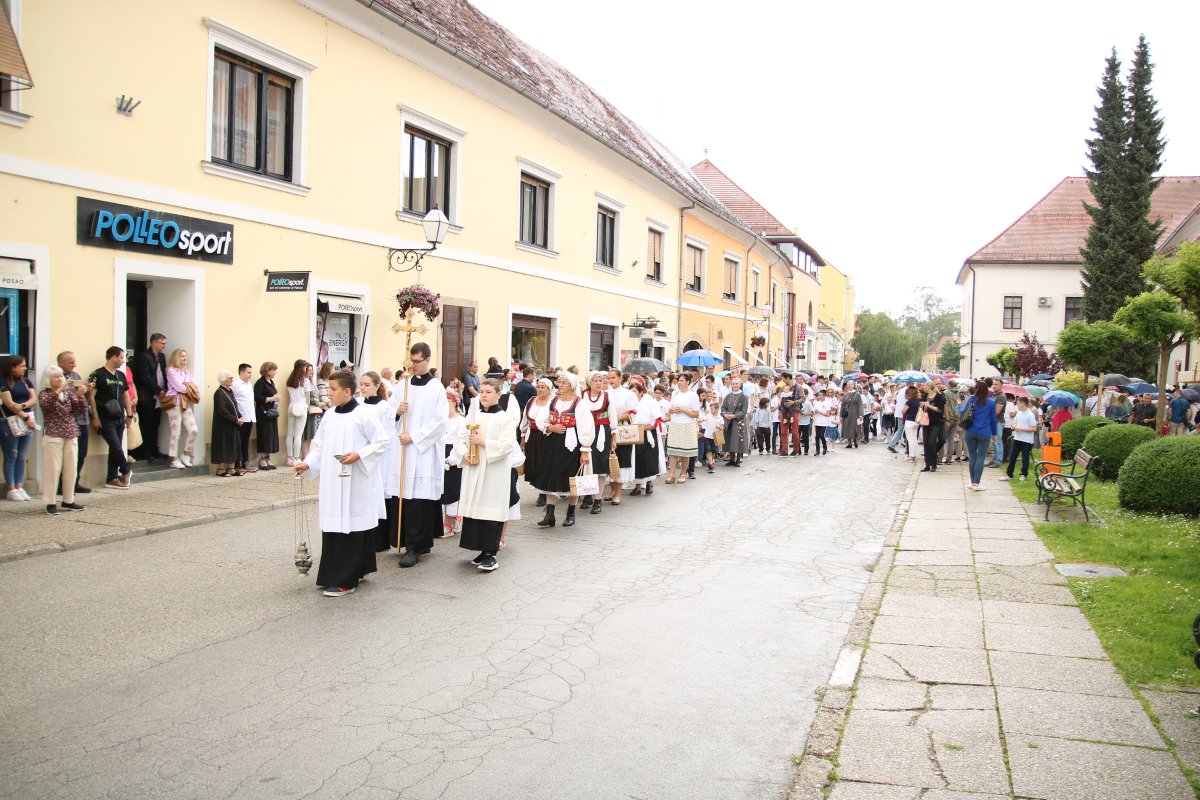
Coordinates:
x,y
737,283
442,130
702,246
774,298
542,173
223,37
661,228
755,285
13,116
615,207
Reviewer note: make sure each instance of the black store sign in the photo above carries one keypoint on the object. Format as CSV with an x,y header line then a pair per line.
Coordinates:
x,y
99,223
287,281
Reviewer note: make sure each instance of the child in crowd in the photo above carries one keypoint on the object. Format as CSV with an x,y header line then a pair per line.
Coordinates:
x,y
762,424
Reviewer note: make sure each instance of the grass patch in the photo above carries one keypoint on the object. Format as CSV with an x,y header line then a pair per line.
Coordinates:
x,y
1144,620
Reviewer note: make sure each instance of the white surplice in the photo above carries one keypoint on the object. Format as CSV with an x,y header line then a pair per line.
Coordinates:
x,y
486,485
424,459
347,505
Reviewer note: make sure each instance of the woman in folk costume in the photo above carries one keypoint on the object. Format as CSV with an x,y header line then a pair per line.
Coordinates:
x,y
598,399
375,396
537,412
422,402
622,405
682,429
486,485
735,410
453,484
350,443
566,447
647,456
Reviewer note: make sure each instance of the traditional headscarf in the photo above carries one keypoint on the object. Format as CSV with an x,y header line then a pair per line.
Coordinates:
x,y
549,383
572,379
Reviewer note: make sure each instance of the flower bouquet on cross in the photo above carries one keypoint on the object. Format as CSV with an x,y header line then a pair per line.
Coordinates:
x,y
418,298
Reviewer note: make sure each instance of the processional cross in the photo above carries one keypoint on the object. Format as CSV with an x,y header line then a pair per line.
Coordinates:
x,y
408,329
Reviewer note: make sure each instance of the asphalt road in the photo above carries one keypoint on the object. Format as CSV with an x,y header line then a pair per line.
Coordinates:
x,y
668,648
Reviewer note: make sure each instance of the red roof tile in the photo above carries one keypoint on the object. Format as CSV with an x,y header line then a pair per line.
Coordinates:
x,y
1054,230
752,214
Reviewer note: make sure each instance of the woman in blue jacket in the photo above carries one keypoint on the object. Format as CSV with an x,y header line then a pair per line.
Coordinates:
x,y
980,433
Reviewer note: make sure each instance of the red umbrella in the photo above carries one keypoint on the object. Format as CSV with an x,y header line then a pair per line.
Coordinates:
x,y
950,375
1016,391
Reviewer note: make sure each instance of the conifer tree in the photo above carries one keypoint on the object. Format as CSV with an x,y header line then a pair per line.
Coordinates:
x,y
1145,155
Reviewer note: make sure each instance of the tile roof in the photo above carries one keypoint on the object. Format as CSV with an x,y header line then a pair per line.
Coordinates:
x,y
1054,230
752,214
470,35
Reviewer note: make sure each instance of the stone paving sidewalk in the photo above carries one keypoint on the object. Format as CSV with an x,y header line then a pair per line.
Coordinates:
x,y
110,515
971,674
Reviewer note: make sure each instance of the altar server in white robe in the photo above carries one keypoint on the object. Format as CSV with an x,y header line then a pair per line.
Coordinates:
x,y
349,438
423,456
486,487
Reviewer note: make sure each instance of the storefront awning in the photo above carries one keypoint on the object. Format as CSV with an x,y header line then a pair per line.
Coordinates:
x,y
17,274
343,304
12,61
734,355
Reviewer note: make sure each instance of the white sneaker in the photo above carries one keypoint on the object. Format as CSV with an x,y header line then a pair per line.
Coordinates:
x,y
176,464
14,494
187,460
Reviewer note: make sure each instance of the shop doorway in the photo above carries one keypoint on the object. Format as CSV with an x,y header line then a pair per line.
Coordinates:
x,y
600,352
531,341
137,334
458,341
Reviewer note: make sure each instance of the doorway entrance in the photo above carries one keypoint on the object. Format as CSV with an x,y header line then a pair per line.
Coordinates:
x,y
531,341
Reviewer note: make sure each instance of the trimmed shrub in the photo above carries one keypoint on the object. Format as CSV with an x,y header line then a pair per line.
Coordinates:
x,y
1113,444
1075,431
1162,476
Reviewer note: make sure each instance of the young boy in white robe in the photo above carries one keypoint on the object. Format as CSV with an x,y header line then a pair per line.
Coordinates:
x,y
345,454
485,497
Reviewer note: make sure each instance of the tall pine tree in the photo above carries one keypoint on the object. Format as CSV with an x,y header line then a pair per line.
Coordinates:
x,y
1108,276
1125,155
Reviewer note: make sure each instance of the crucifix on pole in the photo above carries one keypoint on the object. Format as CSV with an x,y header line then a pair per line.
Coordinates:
x,y
408,329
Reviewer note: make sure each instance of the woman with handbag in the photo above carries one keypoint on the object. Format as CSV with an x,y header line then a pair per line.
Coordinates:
x,y
912,405
647,461
735,409
298,388
226,447
598,399
181,385
60,406
266,409
934,410
566,448
17,399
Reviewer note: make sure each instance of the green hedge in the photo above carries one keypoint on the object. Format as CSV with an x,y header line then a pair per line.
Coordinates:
x,y
1112,444
1075,431
1163,477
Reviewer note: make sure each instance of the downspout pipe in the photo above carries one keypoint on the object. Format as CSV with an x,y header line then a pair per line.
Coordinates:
x,y
679,300
971,352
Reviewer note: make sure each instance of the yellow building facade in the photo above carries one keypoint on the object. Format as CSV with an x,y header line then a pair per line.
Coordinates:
x,y
837,321
239,176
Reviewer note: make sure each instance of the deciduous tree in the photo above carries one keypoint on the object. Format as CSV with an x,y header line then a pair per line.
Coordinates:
x,y
950,357
1157,318
1030,358
1091,345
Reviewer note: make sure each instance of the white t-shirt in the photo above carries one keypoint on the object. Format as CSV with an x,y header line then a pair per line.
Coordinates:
x,y
823,409
689,400
1024,419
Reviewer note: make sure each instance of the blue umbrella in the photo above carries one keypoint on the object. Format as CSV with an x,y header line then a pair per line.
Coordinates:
x,y
1141,388
910,376
1064,399
699,358
1041,378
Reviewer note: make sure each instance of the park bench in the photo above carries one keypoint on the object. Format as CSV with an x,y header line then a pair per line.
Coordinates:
x,y
1053,484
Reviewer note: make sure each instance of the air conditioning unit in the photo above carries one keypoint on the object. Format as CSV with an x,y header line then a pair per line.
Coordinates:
x,y
1044,302
636,333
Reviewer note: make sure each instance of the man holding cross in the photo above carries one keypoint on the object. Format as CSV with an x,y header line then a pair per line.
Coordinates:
x,y
423,410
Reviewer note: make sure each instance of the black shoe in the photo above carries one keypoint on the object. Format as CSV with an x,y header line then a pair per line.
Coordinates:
x,y
649,489
541,501
548,520
596,508
82,490
477,560
570,519
52,509
409,559
587,502
730,464
692,475
924,469
891,449
72,507
636,491
488,564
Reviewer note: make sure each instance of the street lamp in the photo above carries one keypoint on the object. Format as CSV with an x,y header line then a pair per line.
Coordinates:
x,y
435,226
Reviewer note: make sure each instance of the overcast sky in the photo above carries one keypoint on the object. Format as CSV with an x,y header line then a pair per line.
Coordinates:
x,y
898,138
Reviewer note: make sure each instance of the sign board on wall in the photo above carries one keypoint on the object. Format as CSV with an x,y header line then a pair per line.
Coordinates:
x,y
287,281
99,223
337,337
822,356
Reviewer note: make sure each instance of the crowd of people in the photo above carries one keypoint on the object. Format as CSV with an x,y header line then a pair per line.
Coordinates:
x,y
418,460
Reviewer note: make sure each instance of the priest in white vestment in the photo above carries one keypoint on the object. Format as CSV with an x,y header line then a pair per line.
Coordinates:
x,y
423,408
